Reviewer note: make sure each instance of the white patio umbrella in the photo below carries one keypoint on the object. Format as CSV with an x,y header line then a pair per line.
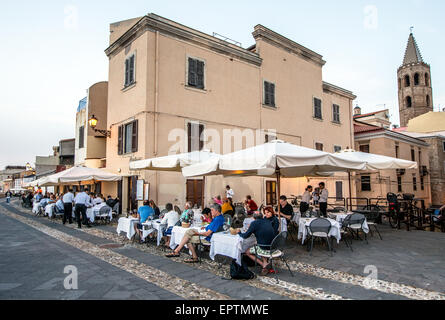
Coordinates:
x,y
276,158
173,162
374,162
78,174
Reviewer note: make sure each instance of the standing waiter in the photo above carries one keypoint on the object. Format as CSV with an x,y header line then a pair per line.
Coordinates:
x,y
82,200
324,195
68,199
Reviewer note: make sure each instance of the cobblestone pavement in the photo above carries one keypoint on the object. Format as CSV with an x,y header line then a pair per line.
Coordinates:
x,y
35,250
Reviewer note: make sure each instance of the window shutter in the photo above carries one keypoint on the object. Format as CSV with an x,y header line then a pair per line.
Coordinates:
x,y
134,138
127,69
192,73
201,137
266,93
189,137
131,70
200,74
272,94
120,140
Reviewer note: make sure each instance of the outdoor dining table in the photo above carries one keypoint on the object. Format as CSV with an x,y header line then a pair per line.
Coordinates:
x,y
152,226
226,244
92,212
177,235
49,209
35,207
305,222
339,217
126,225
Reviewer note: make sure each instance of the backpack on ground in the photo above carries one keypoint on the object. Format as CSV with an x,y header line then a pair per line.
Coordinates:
x,y
240,272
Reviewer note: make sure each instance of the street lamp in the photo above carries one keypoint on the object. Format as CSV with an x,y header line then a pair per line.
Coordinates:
x,y
93,123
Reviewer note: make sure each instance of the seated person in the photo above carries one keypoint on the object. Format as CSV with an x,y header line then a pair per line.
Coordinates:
x,y
43,202
192,236
226,206
264,233
269,215
188,212
218,200
251,206
111,202
98,200
59,204
39,196
171,218
156,209
144,213
286,210
52,199
206,216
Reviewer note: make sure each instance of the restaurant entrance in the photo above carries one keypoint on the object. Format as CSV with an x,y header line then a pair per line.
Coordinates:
x,y
195,192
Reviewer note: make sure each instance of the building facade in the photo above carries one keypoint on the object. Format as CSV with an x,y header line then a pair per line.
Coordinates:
x,y
90,147
378,140
174,89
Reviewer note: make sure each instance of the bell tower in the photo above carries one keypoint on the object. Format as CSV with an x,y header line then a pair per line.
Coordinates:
x,y
414,84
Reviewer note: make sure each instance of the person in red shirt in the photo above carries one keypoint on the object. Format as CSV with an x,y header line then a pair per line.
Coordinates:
x,y
251,206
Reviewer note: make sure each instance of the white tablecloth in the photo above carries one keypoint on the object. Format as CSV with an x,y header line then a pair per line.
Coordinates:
x,y
35,207
49,209
302,233
339,217
152,226
177,235
127,225
226,244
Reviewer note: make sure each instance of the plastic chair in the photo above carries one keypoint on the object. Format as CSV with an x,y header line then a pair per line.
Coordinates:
x,y
319,228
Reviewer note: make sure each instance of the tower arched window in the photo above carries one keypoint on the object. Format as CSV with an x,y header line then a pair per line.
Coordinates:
x,y
400,83
409,102
416,79
407,81
428,101
427,79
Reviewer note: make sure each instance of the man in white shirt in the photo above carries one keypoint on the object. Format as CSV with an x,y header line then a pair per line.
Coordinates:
x,y
307,195
229,193
171,218
68,199
323,201
82,201
97,200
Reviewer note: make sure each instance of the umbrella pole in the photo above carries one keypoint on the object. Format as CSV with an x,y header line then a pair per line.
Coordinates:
x,y
278,198
350,192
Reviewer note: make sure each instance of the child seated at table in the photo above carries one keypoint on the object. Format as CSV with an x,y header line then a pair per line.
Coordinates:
x,y
206,215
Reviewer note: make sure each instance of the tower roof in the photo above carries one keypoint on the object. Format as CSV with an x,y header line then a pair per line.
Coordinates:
x,y
412,53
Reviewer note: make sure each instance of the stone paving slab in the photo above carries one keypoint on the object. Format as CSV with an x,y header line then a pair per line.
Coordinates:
x,y
35,271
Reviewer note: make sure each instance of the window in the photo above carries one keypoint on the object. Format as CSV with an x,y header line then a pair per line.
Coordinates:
x,y
81,137
195,137
128,138
271,193
336,113
428,100
427,80
337,149
364,148
339,190
397,151
422,183
195,73
129,70
413,155
269,94
317,109
443,142
399,184
407,81
366,183
319,146
416,79
414,183
409,102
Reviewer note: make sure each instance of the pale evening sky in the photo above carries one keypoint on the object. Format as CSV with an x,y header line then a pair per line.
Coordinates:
x,y
54,50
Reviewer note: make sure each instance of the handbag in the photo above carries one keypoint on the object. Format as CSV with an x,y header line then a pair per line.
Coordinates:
x,y
240,272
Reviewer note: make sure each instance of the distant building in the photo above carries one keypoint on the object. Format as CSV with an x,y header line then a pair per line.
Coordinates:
x,y
7,177
90,147
377,118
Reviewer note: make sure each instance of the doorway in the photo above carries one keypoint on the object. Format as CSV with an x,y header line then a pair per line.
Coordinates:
x,y
132,203
195,192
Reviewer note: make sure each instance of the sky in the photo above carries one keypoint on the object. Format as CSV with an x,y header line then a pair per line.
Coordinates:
x,y
52,51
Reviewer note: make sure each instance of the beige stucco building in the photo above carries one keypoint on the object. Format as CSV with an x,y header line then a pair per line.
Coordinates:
x,y
378,140
169,85
90,146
